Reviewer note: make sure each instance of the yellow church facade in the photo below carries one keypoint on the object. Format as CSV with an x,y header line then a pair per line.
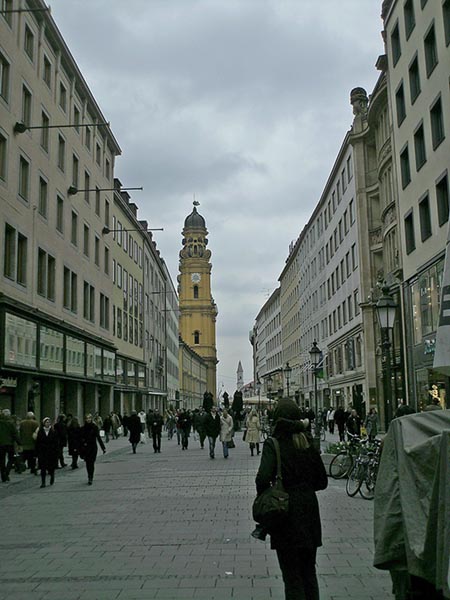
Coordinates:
x,y
198,311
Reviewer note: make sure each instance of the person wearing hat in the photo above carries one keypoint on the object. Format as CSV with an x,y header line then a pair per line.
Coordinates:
x,y
297,538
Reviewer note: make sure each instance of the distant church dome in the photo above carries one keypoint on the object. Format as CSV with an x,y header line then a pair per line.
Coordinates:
x,y
194,220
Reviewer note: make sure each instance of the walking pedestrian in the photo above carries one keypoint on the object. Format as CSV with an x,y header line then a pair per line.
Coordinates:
x,y
354,423
200,425
48,450
296,538
253,435
339,419
74,441
212,429
185,423
8,435
61,432
330,419
90,436
143,419
226,431
115,424
27,427
371,424
135,429
156,426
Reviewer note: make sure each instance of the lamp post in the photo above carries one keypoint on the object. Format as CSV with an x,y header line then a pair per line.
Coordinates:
x,y
287,371
315,353
386,310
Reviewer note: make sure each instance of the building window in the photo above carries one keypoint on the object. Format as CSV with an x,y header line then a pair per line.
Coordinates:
x,y
446,16
24,178
422,3
87,139
409,233
45,122
3,155
87,185
88,302
400,104
97,202
442,200
354,258
75,170
97,251
431,57
76,118
395,45
98,154
437,123
425,218
15,255
43,198
410,19
29,43
22,254
104,311
356,302
4,78
349,168
414,79
195,291
196,337
106,213
63,97
59,214
46,275
6,5
352,212
404,167
106,261
47,72
86,240
26,105
107,169
419,147
61,153
70,290
74,229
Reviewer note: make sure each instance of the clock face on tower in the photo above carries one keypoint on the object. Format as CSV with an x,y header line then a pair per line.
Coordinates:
x,y
196,277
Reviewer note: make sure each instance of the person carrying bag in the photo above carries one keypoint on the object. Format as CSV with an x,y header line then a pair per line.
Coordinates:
x,y
297,535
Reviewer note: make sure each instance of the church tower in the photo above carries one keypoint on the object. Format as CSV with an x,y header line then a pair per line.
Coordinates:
x,y
240,377
198,311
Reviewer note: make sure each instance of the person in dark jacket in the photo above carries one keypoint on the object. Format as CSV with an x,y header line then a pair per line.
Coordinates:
x,y
354,423
47,449
155,426
297,538
90,436
339,419
8,435
27,428
61,431
185,424
212,429
135,429
200,426
74,441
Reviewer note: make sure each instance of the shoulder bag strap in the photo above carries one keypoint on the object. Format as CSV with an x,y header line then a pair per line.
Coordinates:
x,y
277,451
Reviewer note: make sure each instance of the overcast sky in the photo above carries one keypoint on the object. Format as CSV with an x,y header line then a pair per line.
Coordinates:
x,y
243,103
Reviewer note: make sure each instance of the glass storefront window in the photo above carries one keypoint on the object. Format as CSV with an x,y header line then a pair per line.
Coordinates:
x,y
97,361
120,370
426,313
90,371
131,373
51,349
109,370
141,376
20,341
75,356
416,315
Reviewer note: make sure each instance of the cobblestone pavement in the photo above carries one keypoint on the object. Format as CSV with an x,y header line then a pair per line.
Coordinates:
x,y
174,525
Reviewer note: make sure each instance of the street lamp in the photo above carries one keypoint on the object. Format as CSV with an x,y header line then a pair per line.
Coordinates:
x,y
287,371
386,310
315,353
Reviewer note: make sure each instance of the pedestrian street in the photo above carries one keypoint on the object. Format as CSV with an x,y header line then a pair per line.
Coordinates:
x,y
174,525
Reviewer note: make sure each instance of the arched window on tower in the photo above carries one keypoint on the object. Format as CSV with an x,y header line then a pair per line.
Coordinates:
x,y
195,291
196,337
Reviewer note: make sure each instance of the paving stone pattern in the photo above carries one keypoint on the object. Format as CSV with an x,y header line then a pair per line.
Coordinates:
x,y
174,525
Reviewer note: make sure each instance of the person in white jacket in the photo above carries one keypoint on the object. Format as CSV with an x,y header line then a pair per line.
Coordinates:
x,y
226,431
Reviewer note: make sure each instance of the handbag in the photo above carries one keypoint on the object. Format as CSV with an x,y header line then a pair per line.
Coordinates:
x,y
272,505
231,444
120,430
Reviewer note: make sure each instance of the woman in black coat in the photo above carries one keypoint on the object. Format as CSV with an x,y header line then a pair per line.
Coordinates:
x,y
135,429
90,435
297,538
47,450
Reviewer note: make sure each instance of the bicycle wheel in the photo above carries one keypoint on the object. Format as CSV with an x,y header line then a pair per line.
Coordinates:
x,y
355,478
340,465
367,489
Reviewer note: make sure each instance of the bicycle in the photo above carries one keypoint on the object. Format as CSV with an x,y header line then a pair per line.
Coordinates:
x,y
367,489
342,463
362,476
